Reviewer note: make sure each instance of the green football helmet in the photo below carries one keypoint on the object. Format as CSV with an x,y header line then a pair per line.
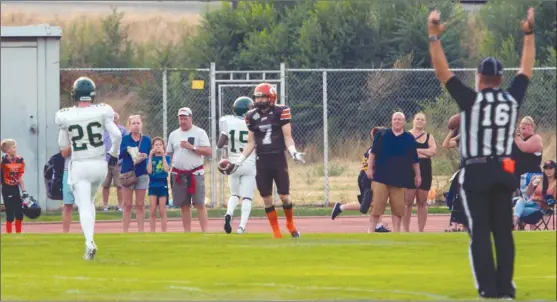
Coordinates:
x,y
242,105
83,90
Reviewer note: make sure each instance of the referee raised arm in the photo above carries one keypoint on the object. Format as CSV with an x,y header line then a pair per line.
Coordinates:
x,y
488,119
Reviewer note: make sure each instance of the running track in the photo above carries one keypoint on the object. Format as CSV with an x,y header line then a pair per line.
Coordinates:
x,y
347,224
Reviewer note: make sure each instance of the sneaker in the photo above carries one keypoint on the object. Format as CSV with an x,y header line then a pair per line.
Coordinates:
x,y
240,230
382,229
227,226
119,209
336,211
295,234
105,209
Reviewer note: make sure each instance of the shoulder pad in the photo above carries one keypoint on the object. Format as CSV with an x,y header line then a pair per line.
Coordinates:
x,y
58,118
225,117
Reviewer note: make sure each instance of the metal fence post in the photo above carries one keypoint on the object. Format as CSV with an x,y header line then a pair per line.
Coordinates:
x,y
282,84
325,140
213,135
476,80
164,104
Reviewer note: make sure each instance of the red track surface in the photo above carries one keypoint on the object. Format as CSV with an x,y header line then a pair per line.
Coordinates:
x,y
347,224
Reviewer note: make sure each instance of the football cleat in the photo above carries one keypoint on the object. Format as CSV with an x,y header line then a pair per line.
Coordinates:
x,y
227,226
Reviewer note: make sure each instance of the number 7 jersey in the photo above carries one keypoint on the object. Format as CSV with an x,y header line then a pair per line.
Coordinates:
x,y
85,128
267,129
236,130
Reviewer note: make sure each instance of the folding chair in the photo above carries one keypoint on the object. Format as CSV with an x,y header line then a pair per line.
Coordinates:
x,y
540,220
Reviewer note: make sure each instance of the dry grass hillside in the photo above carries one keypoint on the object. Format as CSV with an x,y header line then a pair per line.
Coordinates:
x,y
143,27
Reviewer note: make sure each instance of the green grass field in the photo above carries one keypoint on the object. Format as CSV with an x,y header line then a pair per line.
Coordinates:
x,y
177,266
213,213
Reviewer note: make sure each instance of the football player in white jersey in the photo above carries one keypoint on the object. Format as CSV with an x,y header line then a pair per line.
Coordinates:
x,y
234,131
82,127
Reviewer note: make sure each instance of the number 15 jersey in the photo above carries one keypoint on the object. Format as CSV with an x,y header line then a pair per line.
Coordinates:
x,y
267,128
237,132
85,128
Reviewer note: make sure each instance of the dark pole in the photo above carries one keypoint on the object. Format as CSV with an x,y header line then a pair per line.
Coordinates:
x,y
234,4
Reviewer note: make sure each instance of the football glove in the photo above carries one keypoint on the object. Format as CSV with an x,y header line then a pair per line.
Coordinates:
x,y
297,156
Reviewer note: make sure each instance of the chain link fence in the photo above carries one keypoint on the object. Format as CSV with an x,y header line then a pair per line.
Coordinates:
x,y
333,112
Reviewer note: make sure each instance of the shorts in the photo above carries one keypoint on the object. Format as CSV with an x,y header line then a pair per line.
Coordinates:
x,y
426,172
112,176
382,193
141,184
158,191
269,168
180,195
67,194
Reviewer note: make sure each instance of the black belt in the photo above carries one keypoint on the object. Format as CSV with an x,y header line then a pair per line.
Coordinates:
x,y
483,160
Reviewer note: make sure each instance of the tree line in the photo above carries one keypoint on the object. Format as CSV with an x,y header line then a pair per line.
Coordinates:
x,y
259,35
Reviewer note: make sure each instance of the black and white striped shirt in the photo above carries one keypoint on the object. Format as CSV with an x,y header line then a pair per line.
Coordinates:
x,y
488,117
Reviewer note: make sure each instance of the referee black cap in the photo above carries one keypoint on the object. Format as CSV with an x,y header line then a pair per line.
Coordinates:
x,y
490,66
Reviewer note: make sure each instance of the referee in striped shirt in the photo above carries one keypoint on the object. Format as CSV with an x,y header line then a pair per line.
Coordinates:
x,y
488,119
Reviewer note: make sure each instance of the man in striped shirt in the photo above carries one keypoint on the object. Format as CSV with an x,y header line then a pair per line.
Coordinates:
x,y
487,127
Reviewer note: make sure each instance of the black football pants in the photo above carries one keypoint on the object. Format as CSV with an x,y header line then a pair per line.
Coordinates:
x,y
489,211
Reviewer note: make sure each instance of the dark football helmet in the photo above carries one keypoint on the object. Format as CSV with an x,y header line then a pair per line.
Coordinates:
x,y
31,208
242,105
83,90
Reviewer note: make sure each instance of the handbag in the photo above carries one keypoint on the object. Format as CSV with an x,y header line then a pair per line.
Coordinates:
x,y
129,179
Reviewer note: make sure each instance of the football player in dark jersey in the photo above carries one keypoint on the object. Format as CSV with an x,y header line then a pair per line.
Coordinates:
x,y
270,135
364,183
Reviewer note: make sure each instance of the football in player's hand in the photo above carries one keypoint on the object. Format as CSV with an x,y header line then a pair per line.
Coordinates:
x,y
225,166
454,121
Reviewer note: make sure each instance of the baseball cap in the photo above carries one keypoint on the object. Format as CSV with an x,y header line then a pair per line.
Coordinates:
x,y
184,111
490,66
549,164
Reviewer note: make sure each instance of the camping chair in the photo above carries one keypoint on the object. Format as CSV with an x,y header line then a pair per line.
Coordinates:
x,y
542,219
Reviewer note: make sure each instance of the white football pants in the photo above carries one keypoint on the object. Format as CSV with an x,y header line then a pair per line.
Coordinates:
x,y
85,178
242,185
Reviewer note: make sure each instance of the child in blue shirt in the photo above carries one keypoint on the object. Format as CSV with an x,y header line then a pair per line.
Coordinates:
x,y
158,168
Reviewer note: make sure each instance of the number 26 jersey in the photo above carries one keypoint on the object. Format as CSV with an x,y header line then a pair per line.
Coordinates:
x,y
267,128
86,127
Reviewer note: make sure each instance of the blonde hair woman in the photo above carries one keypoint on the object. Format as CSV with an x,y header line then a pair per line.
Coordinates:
x,y
527,148
139,146
427,148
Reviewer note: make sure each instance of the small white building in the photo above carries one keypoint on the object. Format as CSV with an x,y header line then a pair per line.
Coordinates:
x,y
30,97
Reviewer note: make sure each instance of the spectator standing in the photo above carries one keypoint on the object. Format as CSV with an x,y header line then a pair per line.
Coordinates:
x,y
527,152
389,166
113,168
158,168
427,148
67,194
12,168
139,146
188,146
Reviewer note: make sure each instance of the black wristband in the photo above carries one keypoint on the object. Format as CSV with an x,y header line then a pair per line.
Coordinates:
x,y
528,33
